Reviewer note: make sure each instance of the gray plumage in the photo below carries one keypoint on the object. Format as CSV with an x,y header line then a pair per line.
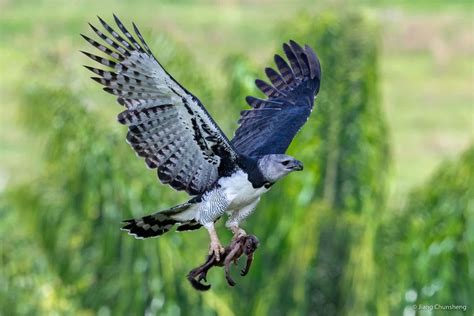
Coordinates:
x,y
276,166
172,131
168,126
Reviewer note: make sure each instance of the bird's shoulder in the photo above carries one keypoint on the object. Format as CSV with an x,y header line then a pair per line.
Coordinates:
x,y
249,165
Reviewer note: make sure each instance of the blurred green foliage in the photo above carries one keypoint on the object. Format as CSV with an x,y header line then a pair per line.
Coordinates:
x,y
426,249
328,245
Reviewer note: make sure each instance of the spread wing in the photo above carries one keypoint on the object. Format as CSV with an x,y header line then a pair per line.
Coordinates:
x,y
272,124
167,125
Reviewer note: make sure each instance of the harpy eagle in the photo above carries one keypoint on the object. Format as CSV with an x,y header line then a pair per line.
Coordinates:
x,y
171,129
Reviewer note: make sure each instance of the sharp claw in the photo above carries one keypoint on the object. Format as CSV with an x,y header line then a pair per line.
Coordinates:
x,y
230,281
216,249
238,233
202,277
242,244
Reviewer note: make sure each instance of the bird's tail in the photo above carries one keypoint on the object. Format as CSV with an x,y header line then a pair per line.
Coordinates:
x,y
160,222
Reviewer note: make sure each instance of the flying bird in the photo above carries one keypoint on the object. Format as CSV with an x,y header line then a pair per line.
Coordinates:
x,y
172,130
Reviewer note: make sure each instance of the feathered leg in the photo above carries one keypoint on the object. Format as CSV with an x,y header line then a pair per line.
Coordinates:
x,y
237,231
211,208
237,216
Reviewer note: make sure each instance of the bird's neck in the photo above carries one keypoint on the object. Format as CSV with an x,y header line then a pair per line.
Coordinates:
x,y
250,166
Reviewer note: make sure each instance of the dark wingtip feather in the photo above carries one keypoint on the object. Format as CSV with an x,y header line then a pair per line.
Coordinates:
x,y
275,78
121,117
296,47
117,20
97,79
90,68
104,24
293,59
255,102
121,101
109,90
101,20
135,28
309,57
277,58
314,64
85,37
128,35
294,44
150,163
93,27
248,99
285,70
142,40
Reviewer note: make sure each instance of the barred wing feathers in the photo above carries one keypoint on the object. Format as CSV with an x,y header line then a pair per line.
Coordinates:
x,y
271,124
167,125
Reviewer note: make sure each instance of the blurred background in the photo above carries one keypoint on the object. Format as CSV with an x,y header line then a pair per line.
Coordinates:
x,y
381,219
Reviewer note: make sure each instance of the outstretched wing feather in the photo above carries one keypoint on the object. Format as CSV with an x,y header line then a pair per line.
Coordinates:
x,y
272,124
168,126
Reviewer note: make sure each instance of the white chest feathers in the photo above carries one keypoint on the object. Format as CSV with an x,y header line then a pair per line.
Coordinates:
x,y
239,191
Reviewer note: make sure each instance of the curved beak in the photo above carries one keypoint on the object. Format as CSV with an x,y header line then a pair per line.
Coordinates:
x,y
297,165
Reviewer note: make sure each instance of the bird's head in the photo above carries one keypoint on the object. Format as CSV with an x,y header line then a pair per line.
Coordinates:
x,y
276,166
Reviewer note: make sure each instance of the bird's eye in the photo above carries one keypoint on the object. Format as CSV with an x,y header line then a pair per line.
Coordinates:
x,y
286,162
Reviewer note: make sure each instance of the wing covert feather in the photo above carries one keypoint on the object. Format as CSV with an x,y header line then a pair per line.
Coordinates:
x,y
168,126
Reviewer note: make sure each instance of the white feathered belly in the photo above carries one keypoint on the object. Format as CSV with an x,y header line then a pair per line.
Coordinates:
x,y
236,190
239,190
